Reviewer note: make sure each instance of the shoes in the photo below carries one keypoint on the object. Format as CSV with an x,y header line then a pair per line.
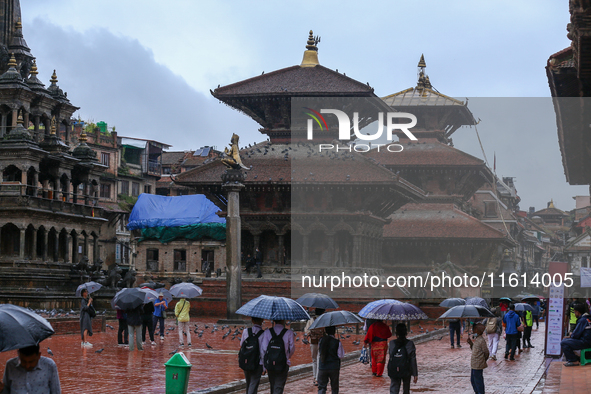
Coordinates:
x,y
512,359
506,355
188,344
87,344
316,383
374,374
452,346
571,364
182,344
162,338
494,358
531,347
378,376
459,345
520,350
153,343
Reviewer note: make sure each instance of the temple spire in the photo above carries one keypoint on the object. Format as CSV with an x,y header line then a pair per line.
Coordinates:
x,y
10,16
311,54
423,80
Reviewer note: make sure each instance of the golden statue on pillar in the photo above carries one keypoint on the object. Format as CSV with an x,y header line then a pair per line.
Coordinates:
x,y
232,157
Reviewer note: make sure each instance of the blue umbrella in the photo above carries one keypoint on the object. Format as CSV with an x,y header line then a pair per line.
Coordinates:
x,y
317,300
274,308
451,302
505,299
90,286
335,318
186,290
477,301
395,311
369,307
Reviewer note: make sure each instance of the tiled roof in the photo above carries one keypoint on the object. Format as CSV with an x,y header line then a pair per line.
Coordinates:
x,y
299,163
424,153
193,161
287,81
169,158
550,211
437,221
418,97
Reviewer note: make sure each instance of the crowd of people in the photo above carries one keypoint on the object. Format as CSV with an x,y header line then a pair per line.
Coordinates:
x,y
270,351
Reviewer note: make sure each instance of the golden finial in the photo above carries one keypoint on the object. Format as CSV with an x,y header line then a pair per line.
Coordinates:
x,y
53,79
551,204
34,68
311,54
20,120
19,25
422,63
82,138
52,126
12,61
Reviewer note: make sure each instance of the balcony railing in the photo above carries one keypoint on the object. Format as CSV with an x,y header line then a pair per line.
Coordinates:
x,y
154,168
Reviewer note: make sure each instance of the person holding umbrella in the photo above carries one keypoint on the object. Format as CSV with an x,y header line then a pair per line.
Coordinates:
x,y
377,337
181,311
315,336
134,320
330,353
87,312
160,306
30,367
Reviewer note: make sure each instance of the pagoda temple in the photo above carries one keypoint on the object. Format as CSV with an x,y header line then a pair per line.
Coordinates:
x,y
301,206
424,234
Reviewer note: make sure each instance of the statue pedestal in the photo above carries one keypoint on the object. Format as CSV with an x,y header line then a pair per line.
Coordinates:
x,y
232,183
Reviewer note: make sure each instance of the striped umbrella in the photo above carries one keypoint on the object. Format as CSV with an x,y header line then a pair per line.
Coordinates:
x,y
369,307
477,301
394,311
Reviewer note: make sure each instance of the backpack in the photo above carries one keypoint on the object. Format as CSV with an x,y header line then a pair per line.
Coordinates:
x,y
399,363
249,356
491,325
275,358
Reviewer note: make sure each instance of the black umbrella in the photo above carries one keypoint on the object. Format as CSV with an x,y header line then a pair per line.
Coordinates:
x,y
467,312
129,298
335,318
20,328
451,302
317,300
522,306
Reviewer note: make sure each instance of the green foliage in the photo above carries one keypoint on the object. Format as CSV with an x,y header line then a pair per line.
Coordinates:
x,y
126,202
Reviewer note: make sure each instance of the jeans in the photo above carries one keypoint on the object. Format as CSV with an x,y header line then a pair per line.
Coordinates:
x,y
512,341
493,343
161,320
259,272
323,376
454,328
477,380
135,330
123,332
184,327
537,320
148,323
395,384
253,379
568,346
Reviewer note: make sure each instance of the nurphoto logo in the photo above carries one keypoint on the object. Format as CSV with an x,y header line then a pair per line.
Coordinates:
x,y
344,122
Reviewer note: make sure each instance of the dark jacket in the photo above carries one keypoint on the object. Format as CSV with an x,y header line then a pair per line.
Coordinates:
x,y
134,316
411,350
583,329
331,359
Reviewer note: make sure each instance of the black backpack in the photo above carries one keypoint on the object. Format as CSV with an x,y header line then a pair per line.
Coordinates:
x,y
275,357
399,363
249,355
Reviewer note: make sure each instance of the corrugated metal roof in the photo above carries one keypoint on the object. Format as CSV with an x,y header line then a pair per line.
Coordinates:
x,y
413,97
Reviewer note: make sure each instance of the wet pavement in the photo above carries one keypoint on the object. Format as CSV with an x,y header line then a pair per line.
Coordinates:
x,y
441,369
567,380
82,370
446,370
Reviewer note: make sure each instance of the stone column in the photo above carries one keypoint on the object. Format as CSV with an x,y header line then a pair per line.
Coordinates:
x,y
45,244
67,248
85,249
280,242
355,257
74,249
305,249
56,247
232,184
14,118
21,253
47,123
2,125
330,246
34,245
95,254
36,120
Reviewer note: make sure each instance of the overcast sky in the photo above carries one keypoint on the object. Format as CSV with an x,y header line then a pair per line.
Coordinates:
x,y
147,66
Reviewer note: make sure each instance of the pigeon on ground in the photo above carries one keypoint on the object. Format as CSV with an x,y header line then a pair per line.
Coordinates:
x,y
207,344
100,350
110,326
49,352
305,342
174,352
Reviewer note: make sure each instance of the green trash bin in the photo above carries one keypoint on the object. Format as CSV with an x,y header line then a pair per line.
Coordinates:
x,y
177,374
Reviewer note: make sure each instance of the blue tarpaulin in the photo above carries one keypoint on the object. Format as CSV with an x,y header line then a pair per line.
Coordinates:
x,y
161,211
